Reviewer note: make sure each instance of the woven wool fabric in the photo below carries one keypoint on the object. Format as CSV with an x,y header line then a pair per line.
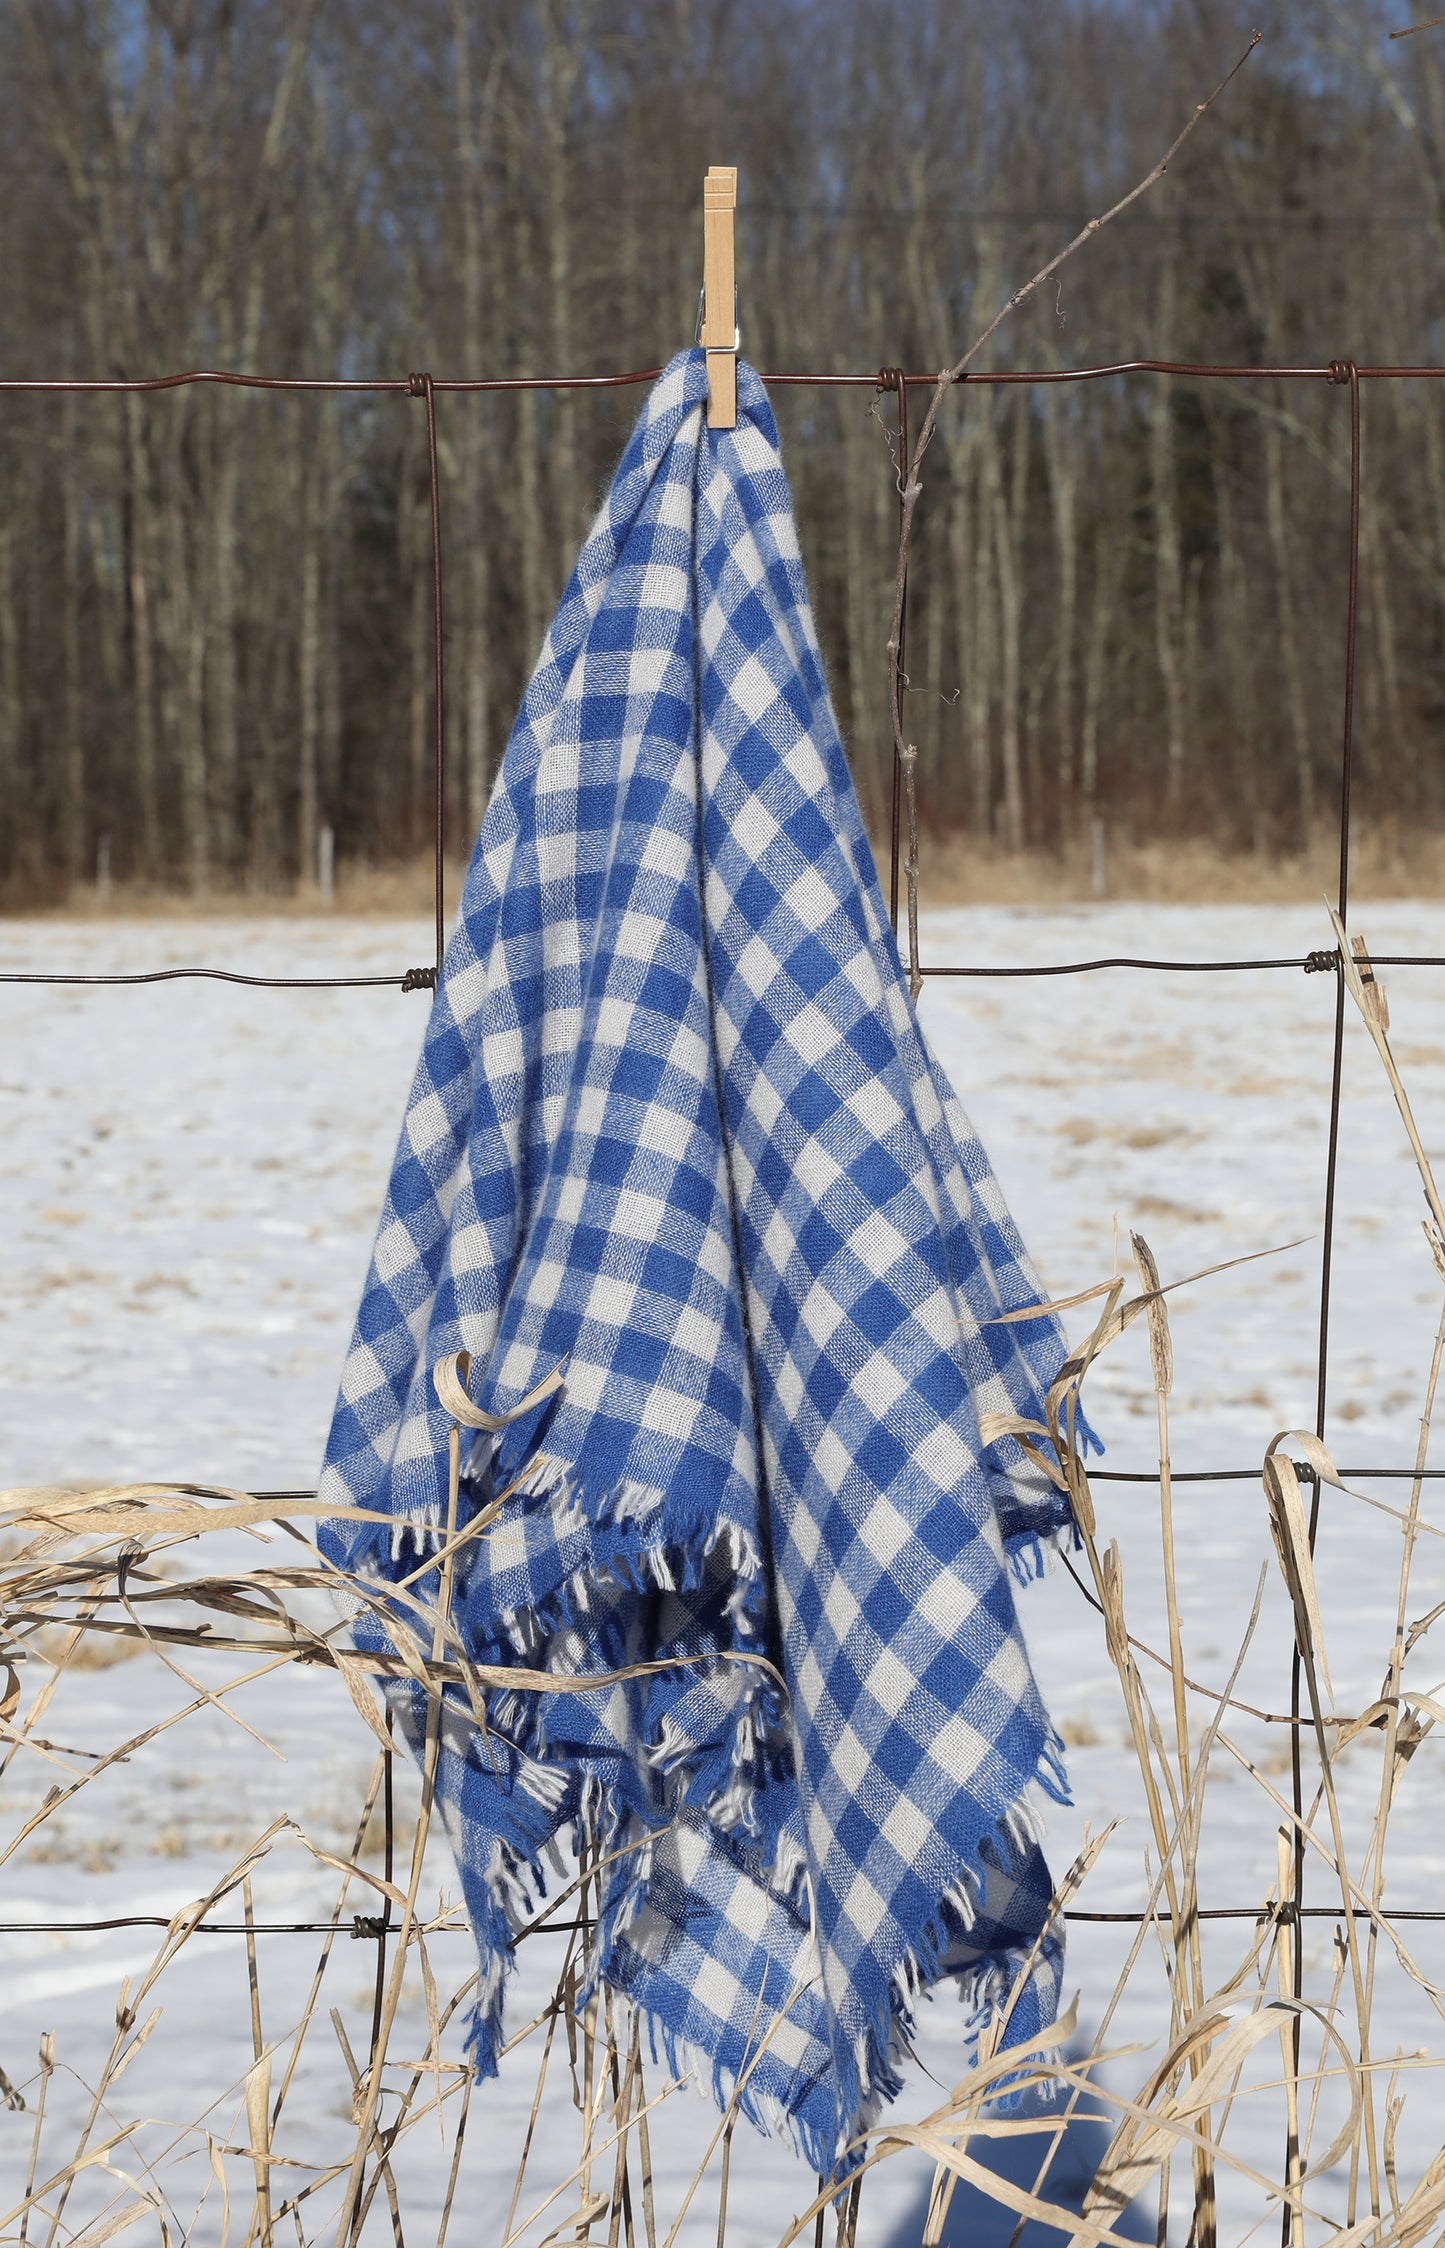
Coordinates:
x,y
676,1131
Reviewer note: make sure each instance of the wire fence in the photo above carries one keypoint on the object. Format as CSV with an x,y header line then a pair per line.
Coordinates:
x,y
1344,375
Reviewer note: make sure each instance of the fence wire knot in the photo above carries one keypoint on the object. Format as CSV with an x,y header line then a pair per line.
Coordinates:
x,y
367,1926
1341,370
416,386
1319,963
425,979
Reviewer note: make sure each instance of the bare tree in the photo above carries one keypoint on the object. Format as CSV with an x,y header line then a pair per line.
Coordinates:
x,y
215,609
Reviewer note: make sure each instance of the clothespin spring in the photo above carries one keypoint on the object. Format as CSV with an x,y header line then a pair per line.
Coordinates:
x,y
737,342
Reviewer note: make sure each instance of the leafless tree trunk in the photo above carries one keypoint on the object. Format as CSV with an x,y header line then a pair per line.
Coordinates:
x,y
974,582
12,787
1234,633
309,666
1006,500
1289,645
530,539
566,31
1106,574
1168,579
182,635
1398,763
71,823
867,521
1062,433
143,692
413,556
474,104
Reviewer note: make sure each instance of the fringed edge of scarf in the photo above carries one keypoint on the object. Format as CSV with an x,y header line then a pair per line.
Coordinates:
x,y
982,1990
691,1534
672,1545
672,1556
983,1987
1037,1553
670,1552
515,1884
1031,1554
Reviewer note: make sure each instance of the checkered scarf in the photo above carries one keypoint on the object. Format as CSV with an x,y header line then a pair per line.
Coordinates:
x,y
676,1133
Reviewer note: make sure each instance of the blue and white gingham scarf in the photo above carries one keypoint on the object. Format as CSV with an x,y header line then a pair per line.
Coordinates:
x,y
676,1132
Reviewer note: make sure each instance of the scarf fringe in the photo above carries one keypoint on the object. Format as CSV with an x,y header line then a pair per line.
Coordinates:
x,y
1037,1553
983,1991
672,1554
517,1885
671,1557
574,1510
984,1985
1031,1554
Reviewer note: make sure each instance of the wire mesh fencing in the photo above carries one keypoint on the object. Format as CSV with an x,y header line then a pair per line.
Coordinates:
x,y
83,1570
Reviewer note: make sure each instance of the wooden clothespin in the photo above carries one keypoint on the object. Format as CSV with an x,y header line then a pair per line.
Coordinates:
x,y
719,296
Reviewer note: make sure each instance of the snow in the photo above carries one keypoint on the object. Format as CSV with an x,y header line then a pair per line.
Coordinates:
x,y
189,1177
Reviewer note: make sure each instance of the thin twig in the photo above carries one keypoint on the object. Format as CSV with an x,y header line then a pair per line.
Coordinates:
x,y
912,490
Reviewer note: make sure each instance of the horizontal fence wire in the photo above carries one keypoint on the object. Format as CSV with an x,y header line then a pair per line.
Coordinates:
x,y
427,388
1305,1473
1340,371
415,979
1312,963
1302,1469
366,1929
406,979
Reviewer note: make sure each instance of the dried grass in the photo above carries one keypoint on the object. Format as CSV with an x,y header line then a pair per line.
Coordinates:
x,y
86,1575
1385,862
954,868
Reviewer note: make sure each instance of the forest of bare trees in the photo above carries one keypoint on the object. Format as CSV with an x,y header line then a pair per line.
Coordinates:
x,y
1126,596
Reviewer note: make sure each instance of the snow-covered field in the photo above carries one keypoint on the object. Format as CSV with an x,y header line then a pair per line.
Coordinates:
x,y
189,1176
